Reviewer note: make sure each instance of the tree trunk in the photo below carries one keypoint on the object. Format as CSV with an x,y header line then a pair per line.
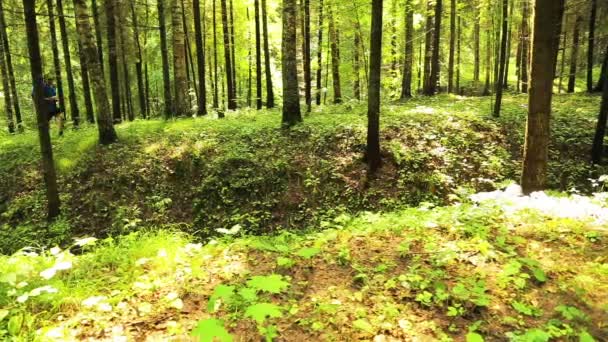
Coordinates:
x,y
307,71
476,38
46,148
291,97
250,57
139,65
56,62
590,45
8,106
503,58
180,81
215,84
258,57
408,55
200,59
233,51
357,66
434,80
335,57
563,63
267,70
486,88
320,55
86,86
68,64
164,51
113,59
98,33
603,75
373,102
574,55
145,57
393,25
125,65
228,58
458,52
597,152
10,70
547,17
428,47
452,46
505,83
525,47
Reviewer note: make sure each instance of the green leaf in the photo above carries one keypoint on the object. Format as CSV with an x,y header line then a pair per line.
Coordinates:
x,y
3,314
524,308
535,335
585,337
364,325
539,274
259,312
474,337
210,330
224,292
248,294
15,324
308,253
285,262
273,283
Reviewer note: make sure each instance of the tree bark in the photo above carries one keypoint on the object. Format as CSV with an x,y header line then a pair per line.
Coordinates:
x,y
307,71
291,97
233,51
505,83
113,59
258,57
603,75
428,47
357,66
563,60
268,71
525,47
458,52
139,73
408,55
597,152
452,46
46,148
503,58
320,55
8,106
200,59
168,109
373,102
215,84
574,55
68,65
56,62
590,45
393,25
547,19
180,81
10,70
86,84
228,58
434,79
476,39
98,32
125,65
335,57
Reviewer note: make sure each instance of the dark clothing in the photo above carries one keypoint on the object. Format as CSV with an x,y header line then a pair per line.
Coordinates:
x,y
51,109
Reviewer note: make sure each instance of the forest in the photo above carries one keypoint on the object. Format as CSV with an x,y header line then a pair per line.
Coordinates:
x,y
297,170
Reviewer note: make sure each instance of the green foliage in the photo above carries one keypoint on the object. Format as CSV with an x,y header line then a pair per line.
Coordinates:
x,y
210,330
273,283
261,311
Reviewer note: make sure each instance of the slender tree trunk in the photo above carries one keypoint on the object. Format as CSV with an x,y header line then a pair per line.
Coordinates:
x,y
408,55
434,79
56,62
113,59
8,106
228,58
357,66
420,63
258,57
393,25
291,97
268,71
86,86
320,55
373,102
574,55
180,81
164,51
215,85
10,70
590,45
518,63
145,57
122,12
547,18
200,59
189,59
46,148
458,52
307,69
486,88
505,83
428,47
141,92
562,69
452,46
250,57
525,47
603,75
597,152
476,47
335,57
98,32
503,57
68,64
233,51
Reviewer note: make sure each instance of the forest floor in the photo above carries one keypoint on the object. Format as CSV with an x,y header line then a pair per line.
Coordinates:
x,y
234,229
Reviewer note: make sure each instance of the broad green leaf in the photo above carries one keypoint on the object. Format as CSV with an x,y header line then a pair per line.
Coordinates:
x,y
248,294
15,324
309,252
224,292
211,330
273,283
364,325
539,274
285,262
3,314
259,312
585,337
474,337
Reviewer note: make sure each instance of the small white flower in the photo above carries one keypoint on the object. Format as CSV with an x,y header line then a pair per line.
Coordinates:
x,y
48,273
85,241
172,296
55,250
21,285
92,301
22,298
162,253
105,307
63,265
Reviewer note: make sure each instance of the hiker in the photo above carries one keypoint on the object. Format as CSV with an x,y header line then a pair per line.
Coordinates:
x,y
51,110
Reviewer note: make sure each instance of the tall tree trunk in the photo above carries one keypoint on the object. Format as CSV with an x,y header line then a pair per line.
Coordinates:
x,y
486,88
9,66
268,71
505,83
258,57
420,63
408,55
320,55
307,71
503,57
145,57
518,63
428,47
597,151
291,97
393,25
113,59
98,32
46,148
476,39
357,66
200,59
452,46
250,57
8,106
603,75
574,55
180,82
458,52
228,58
590,45
141,92
86,84
164,51
215,85
562,69
55,49
434,79
525,47
547,17
125,65
68,64
233,51
373,102
335,56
